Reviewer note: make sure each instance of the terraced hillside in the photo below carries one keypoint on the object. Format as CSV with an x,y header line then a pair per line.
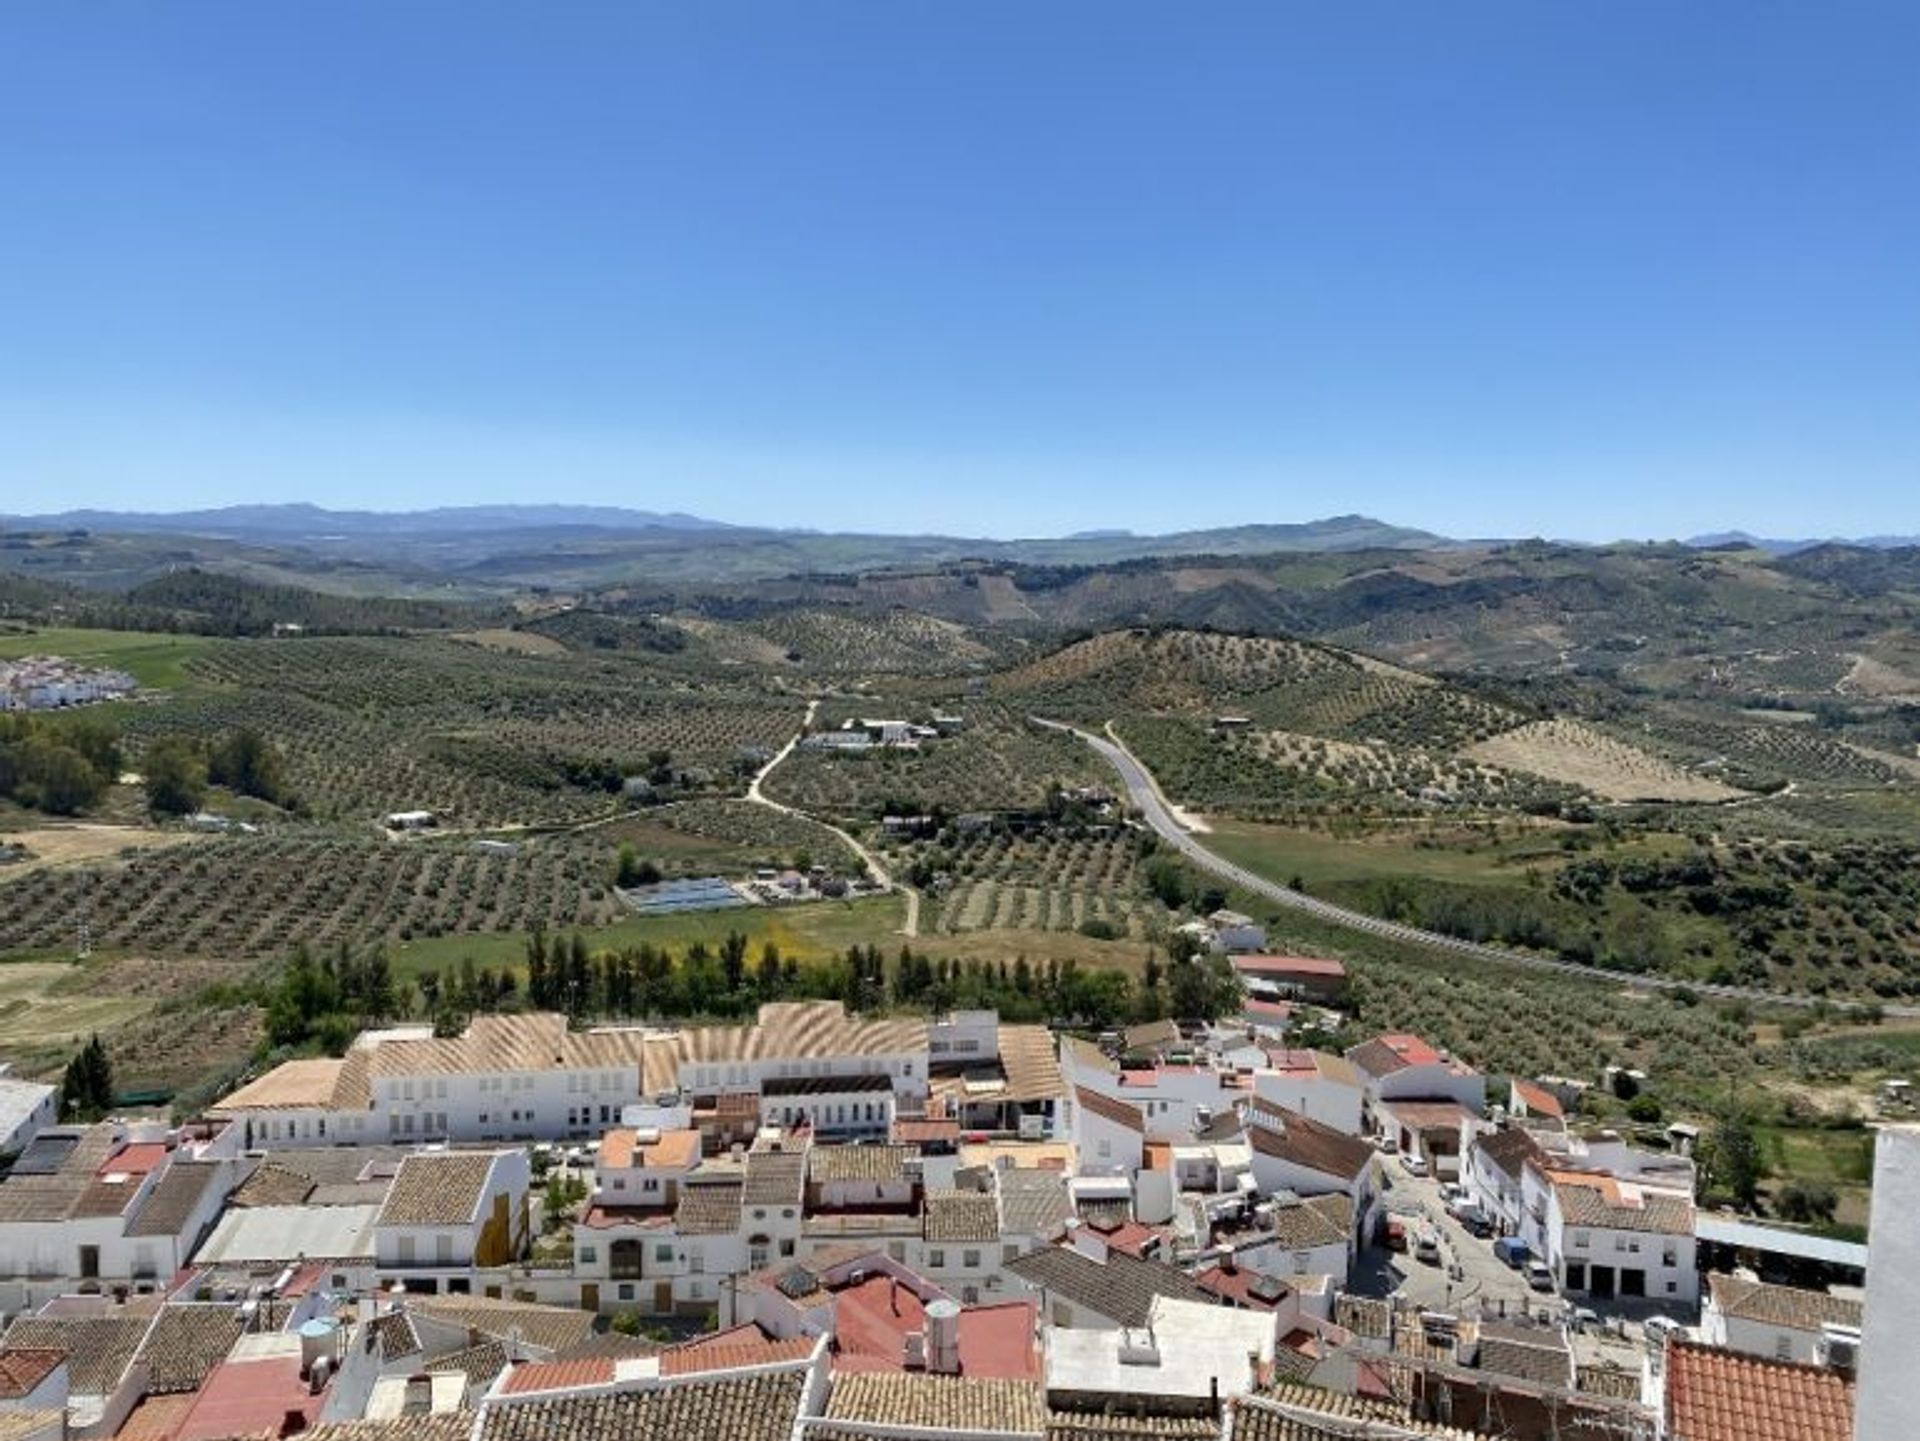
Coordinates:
x,y
483,736
1262,726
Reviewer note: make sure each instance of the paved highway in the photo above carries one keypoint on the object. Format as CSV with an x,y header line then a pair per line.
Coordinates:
x,y
1144,792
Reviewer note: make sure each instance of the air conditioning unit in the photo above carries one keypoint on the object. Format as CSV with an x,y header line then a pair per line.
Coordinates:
x,y
1839,1347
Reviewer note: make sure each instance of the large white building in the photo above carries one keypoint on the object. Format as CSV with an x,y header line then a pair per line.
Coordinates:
x,y
532,1078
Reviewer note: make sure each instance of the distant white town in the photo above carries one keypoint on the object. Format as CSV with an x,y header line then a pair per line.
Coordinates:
x,y
47,682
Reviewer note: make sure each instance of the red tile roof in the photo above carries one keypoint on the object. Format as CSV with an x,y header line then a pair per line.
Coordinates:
x,y
727,1350
1119,1112
873,1318
22,1368
1411,1050
1235,1284
918,1131
559,1375
134,1160
1290,965
1134,1238
249,1398
1538,1099
156,1418
1715,1395
622,1150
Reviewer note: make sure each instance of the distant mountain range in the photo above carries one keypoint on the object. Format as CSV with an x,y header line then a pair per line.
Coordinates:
x,y
307,522
1742,540
492,549
312,525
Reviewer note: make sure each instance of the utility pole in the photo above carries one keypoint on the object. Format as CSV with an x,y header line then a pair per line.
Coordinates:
x,y
83,942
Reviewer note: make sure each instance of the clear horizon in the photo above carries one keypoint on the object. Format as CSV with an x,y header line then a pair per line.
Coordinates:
x,y
1499,271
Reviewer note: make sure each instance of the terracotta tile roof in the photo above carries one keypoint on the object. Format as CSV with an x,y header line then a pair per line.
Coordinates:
x,y
728,1350
338,1175
1532,1353
291,1085
173,1199
1715,1395
1296,1412
961,1216
393,1335
710,1207
1119,1288
1033,1202
1032,1064
1117,1426
723,1408
18,1425
156,1418
1386,1054
479,1364
438,1188
551,1328
561,1375
1538,1099
1301,1225
1604,1203
775,1178
1785,1306
801,1030
99,1348
186,1342
947,1403
53,1173
1288,1136
1242,1286
1510,1150
923,1130
609,1343
1321,966
115,1184
621,1149
272,1184
1119,1112
22,1368
443,1426
859,1163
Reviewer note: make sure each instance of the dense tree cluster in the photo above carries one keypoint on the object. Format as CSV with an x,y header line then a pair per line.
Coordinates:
x,y
327,1001
61,765
177,770
732,980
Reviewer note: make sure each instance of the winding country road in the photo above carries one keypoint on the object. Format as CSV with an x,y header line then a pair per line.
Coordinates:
x,y
874,869
1145,794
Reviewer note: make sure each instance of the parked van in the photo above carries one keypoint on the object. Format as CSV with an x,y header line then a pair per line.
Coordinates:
x,y
1512,1250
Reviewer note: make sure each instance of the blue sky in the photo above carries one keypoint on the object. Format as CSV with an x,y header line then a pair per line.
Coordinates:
x,y
1519,268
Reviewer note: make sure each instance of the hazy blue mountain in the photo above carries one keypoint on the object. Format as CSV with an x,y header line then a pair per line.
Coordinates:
x,y
303,521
